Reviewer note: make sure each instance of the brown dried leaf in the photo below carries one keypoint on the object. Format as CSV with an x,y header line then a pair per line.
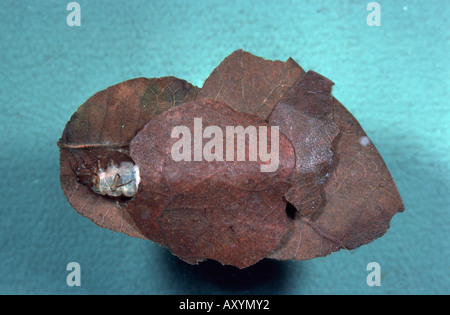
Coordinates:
x,y
231,211
102,129
251,84
359,197
305,116
228,211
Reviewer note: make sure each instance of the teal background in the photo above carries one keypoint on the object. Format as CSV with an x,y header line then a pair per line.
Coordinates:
x,y
393,78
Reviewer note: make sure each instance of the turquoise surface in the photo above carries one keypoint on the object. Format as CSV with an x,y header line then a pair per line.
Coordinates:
x,y
394,78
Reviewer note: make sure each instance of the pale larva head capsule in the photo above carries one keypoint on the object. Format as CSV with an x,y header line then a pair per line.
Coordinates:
x,y
117,181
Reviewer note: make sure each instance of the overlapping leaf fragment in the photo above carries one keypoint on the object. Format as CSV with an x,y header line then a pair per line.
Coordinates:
x,y
226,210
101,131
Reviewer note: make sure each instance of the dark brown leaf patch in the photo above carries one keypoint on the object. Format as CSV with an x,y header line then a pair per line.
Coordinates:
x,y
228,211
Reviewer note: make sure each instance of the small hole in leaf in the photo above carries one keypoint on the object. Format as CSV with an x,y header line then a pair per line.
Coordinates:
x,y
291,211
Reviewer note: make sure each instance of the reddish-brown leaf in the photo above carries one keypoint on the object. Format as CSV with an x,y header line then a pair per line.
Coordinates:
x,y
305,116
101,130
251,84
359,195
228,211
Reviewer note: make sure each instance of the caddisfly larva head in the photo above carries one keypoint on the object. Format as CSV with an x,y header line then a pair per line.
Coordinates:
x,y
116,181
113,181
